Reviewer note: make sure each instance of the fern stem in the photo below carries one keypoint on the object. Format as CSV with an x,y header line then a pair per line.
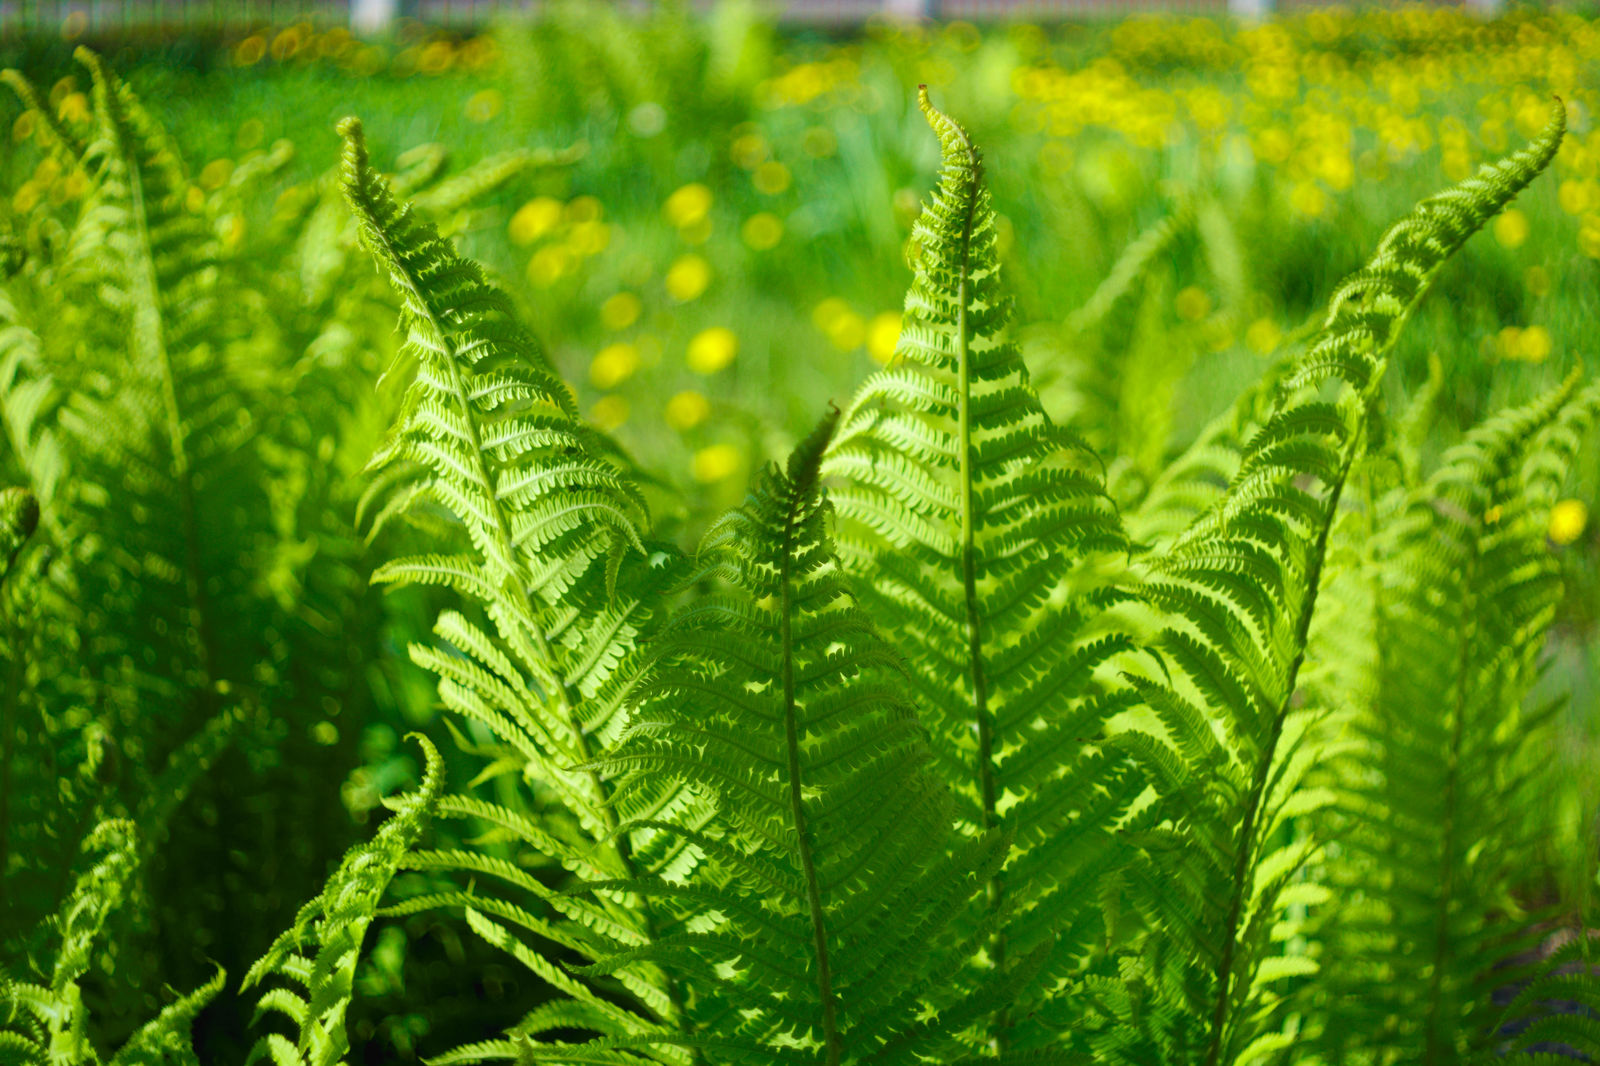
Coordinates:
x,y
9,722
995,891
797,812
1244,850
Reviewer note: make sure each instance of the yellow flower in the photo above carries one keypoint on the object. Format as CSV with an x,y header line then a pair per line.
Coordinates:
x,y
771,178
1192,304
1537,280
23,128
696,232
687,278
609,412
484,105
1534,345
712,349
1568,519
620,311
687,409
549,264
194,200
215,173
436,58
1511,228
1263,336
249,51
1576,196
589,238
883,335
762,231
1589,236
1308,200
613,364
748,151
534,219
715,463
845,328
688,205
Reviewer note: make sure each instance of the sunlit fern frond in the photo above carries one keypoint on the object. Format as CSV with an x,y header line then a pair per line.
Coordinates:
x,y
823,924
320,951
1434,817
981,535
554,556
1239,589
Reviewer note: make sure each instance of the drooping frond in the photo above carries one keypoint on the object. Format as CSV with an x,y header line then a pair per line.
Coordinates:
x,y
1239,589
320,951
822,924
981,535
1434,814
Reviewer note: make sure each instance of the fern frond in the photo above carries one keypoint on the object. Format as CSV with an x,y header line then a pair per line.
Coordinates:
x,y
832,885
320,951
1433,809
1240,588
981,534
19,517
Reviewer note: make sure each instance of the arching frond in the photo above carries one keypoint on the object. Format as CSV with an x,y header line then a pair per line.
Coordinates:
x,y
320,951
1240,588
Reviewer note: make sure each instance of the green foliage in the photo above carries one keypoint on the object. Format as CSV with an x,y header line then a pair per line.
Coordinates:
x,y
973,735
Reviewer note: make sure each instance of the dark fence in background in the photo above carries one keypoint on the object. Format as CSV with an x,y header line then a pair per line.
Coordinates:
x,y
110,17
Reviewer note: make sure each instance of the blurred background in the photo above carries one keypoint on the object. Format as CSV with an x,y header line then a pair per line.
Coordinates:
x,y
702,210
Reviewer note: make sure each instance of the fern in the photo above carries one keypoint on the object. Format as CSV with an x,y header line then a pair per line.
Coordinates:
x,y
48,1023
19,517
555,557
821,925
1433,819
1217,857
320,951
979,534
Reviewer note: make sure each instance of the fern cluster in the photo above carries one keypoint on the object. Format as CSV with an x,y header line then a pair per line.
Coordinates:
x,y
956,742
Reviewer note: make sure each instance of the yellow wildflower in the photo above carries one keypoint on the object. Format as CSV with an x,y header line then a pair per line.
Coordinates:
x,y
687,409
1511,228
762,231
620,311
613,364
688,205
771,178
712,349
609,412
484,105
715,463
1192,304
1568,519
687,278
534,219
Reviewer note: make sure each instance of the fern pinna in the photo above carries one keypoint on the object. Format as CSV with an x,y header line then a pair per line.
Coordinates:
x,y
822,925
1217,861
981,536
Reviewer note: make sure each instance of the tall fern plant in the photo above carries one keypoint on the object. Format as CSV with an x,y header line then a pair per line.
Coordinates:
x,y
935,764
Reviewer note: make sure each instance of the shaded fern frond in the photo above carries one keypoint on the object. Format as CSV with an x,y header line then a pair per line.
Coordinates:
x,y
981,534
19,517
1240,590
824,918
320,951
1434,806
